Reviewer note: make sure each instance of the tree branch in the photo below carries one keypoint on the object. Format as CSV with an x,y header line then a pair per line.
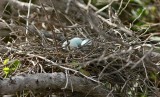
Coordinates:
x,y
55,81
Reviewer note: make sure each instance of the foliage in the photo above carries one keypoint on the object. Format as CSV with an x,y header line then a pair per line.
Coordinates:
x,y
141,13
12,66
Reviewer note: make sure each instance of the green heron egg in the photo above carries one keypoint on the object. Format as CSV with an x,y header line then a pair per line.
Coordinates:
x,y
73,43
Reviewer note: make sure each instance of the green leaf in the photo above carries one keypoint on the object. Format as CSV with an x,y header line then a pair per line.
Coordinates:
x,y
5,62
15,65
6,70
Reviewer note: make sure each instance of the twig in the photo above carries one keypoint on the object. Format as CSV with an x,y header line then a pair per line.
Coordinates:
x,y
124,7
142,58
127,31
66,72
105,7
65,68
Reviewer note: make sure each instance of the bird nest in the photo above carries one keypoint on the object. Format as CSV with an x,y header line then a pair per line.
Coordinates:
x,y
117,57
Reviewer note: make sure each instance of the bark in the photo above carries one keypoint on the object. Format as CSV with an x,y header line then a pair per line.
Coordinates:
x,y
55,81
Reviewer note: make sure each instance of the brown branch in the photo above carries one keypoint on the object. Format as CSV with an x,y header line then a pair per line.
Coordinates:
x,y
22,5
55,81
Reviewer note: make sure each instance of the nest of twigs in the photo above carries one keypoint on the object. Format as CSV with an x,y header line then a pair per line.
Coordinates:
x,y
117,58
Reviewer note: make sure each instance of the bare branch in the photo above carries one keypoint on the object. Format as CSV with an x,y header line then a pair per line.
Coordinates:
x,y
54,81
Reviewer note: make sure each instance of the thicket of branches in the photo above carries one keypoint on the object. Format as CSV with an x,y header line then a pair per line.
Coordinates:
x,y
118,63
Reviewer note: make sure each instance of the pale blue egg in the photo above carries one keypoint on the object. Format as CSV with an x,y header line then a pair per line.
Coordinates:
x,y
73,43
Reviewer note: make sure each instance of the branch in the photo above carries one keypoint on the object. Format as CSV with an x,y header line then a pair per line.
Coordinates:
x,y
23,5
55,81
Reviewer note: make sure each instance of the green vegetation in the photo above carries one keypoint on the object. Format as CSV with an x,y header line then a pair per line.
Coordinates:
x,y
10,66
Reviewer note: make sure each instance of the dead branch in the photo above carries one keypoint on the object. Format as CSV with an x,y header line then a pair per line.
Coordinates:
x,y
61,5
53,81
23,5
